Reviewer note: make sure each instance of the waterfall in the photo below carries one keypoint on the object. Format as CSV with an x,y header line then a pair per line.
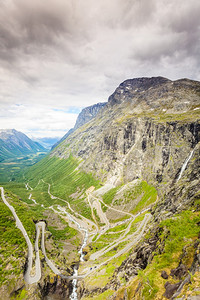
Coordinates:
x,y
83,245
185,164
75,273
74,284
74,295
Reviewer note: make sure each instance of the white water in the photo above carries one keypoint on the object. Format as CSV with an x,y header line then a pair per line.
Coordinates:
x,y
83,245
75,273
185,164
74,284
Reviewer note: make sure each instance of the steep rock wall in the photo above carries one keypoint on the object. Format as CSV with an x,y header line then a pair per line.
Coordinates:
x,y
146,130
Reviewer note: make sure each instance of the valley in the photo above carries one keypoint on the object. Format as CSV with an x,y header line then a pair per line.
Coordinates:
x,y
112,212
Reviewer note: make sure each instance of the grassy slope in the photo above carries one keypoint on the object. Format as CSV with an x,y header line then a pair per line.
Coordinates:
x,y
178,233
142,190
65,180
13,244
11,169
61,174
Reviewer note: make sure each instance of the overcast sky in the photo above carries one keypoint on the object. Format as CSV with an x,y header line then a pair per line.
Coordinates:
x,y
58,56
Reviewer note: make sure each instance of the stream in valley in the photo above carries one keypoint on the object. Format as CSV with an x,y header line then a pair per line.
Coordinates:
x,y
74,295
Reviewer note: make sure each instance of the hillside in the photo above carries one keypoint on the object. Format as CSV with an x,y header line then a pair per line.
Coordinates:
x,y
120,199
14,143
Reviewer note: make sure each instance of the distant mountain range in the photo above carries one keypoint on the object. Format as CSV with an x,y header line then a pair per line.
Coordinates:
x,y
14,143
47,142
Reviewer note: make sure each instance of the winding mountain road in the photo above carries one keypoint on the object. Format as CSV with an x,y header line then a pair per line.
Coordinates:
x,y
34,276
27,277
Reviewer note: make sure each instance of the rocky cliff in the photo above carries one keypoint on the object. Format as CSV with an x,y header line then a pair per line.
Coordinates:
x,y
88,113
147,130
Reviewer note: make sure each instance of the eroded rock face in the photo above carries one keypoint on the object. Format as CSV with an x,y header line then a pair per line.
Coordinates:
x,y
143,131
88,114
55,289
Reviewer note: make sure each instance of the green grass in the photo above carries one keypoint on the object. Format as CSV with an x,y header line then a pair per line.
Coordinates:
x,y
12,244
25,213
12,169
182,228
148,196
134,225
103,296
178,233
65,180
109,196
118,228
142,190
62,234
62,175
162,117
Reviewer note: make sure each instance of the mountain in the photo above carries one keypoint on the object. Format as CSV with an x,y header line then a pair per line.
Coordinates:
x,y
149,131
14,143
146,129
120,199
87,114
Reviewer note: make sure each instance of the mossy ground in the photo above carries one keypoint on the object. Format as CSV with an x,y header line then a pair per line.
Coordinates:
x,y
178,233
140,196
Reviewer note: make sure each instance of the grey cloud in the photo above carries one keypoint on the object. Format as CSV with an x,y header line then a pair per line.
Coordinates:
x,y
28,27
75,51
174,33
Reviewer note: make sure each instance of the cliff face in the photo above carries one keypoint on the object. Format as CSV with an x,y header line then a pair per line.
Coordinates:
x,y
147,129
85,116
88,114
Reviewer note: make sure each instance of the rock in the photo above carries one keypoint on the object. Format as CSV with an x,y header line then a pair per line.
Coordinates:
x,y
179,272
88,113
170,289
164,275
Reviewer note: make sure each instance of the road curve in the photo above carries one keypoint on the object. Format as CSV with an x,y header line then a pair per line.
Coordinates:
x,y
30,279
27,277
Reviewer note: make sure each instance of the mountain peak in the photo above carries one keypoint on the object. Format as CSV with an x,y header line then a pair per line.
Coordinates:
x,y
155,92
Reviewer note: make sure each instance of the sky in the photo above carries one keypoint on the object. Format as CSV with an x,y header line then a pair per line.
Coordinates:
x,y
59,56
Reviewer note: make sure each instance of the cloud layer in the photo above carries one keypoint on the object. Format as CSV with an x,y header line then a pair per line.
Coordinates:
x,y
62,54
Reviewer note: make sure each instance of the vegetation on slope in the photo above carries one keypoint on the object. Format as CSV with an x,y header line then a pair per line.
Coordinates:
x,y
13,168
13,244
138,197
180,237
62,174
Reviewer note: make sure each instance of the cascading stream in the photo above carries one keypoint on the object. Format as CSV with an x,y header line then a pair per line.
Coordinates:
x,y
185,164
74,295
